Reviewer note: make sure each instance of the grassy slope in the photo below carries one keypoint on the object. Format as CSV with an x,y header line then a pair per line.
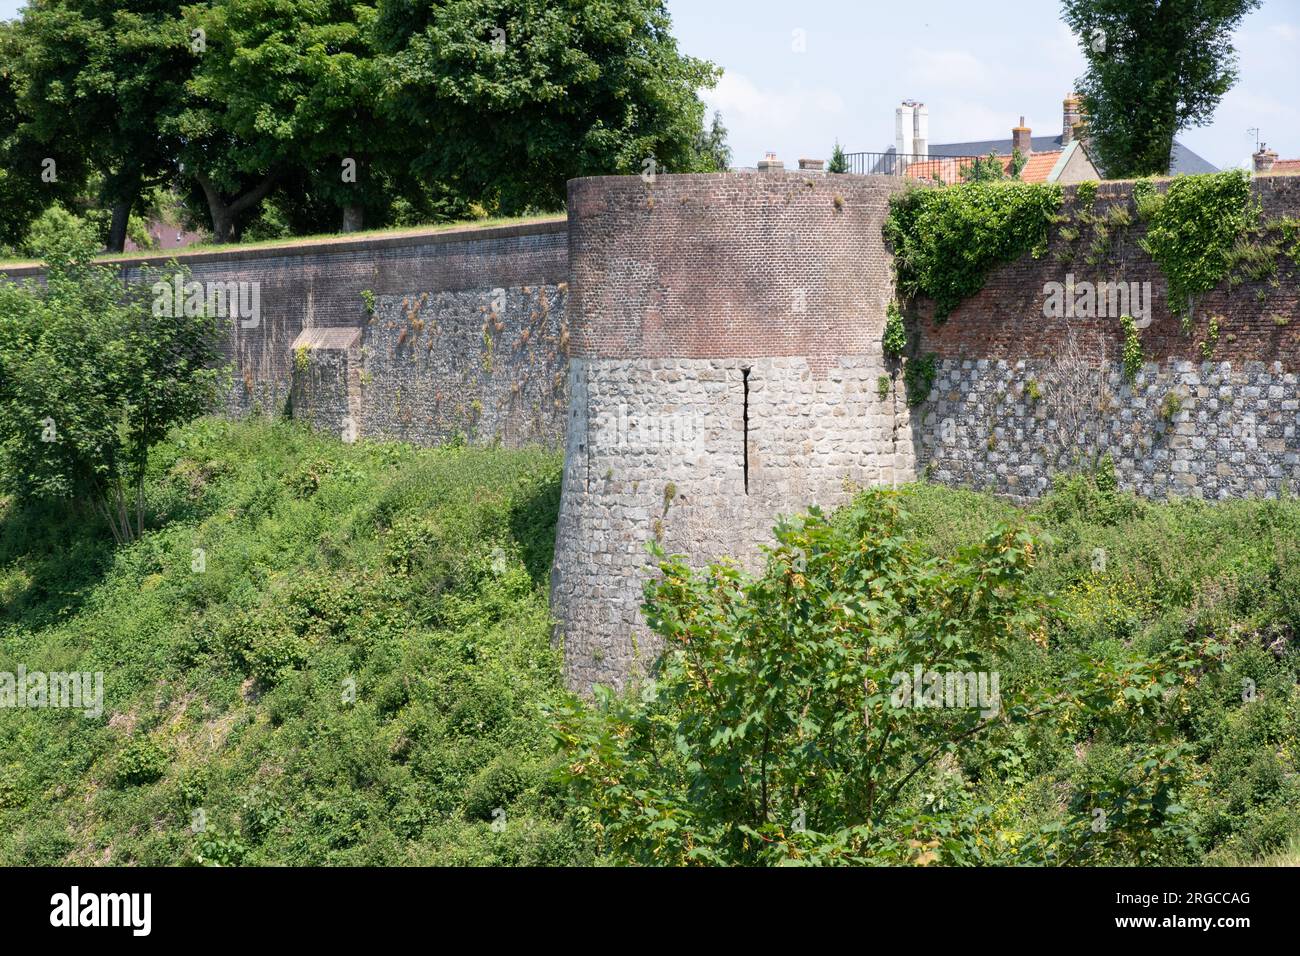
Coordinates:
x,y
1135,575
420,575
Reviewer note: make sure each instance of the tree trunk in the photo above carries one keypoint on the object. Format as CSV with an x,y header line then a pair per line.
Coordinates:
x,y
224,215
353,217
117,230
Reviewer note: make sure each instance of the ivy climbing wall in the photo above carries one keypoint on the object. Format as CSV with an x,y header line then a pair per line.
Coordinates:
x,y
1208,406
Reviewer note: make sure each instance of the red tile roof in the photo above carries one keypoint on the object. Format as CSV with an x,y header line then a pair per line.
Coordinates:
x,y
948,170
1286,166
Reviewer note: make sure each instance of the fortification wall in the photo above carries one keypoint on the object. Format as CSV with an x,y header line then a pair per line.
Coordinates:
x,y
464,337
1018,394
708,349
726,334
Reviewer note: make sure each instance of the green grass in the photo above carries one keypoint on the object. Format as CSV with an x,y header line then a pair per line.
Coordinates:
x,y
328,237
417,577
1135,576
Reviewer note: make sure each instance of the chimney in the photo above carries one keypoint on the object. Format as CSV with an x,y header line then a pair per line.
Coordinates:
x,y
905,129
1021,138
770,164
1072,116
1264,159
812,165
920,130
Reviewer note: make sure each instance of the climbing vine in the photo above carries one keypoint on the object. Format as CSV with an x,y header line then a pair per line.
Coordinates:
x,y
918,378
895,338
945,240
1193,229
1133,357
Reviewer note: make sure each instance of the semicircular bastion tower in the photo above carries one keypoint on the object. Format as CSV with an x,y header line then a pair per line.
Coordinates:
x,y
725,368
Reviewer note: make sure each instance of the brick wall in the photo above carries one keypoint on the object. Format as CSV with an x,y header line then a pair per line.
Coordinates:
x,y
1203,418
454,276
726,369
1005,320
728,264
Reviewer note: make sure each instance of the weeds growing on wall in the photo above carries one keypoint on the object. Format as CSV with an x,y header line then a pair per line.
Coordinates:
x,y
895,337
1202,230
918,378
945,240
1192,231
1132,354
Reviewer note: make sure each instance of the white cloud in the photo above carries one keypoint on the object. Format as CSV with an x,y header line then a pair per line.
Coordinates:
x,y
957,67
748,108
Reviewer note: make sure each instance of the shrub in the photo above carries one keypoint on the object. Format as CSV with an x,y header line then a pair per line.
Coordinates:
x,y
773,731
141,762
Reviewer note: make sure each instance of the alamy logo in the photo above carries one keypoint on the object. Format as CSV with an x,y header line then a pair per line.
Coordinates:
x,y
80,690
103,909
625,428
953,689
1098,300
238,300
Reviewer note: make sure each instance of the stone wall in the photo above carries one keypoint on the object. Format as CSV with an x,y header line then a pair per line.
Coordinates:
x,y
726,369
1019,396
486,363
438,288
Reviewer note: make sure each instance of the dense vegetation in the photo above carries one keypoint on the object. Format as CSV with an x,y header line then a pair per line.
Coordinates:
x,y
946,240
321,653
93,373
1148,710
305,117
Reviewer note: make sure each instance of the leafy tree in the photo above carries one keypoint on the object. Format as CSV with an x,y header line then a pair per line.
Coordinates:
x,y
839,162
1155,67
711,147
507,100
785,724
297,85
985,169
98,77
23,191
90,379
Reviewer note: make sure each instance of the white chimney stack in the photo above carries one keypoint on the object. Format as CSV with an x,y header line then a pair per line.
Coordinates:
x,y
921,130
905,128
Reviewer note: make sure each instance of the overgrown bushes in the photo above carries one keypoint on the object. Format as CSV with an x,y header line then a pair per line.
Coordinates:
x,y
355,675
1149,709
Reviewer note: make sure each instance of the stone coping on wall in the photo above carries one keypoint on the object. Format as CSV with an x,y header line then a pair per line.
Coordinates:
x,y
339,244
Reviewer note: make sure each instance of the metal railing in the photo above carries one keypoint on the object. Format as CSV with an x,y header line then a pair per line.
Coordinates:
x,y
928,167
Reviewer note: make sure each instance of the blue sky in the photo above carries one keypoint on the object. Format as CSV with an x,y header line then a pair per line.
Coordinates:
x,y
978,66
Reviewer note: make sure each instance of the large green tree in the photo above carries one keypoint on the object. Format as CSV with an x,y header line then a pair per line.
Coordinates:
x,y
1155,67
28,185
295,82
97,76
506,100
